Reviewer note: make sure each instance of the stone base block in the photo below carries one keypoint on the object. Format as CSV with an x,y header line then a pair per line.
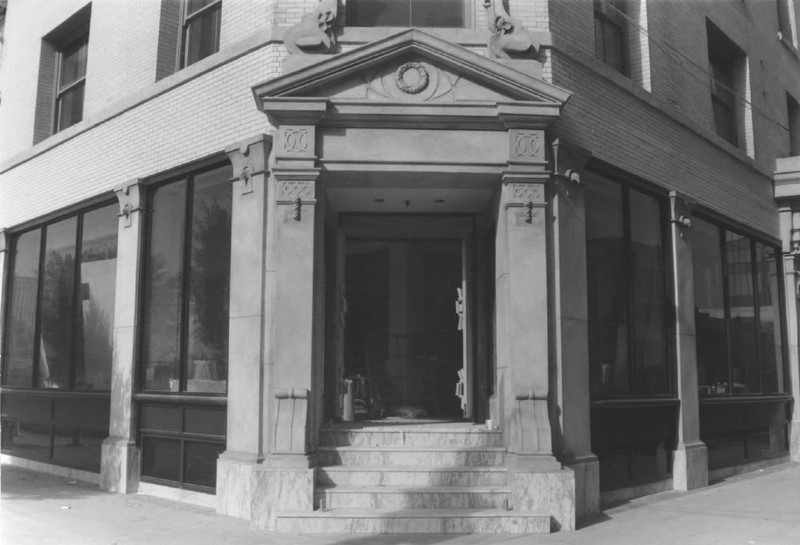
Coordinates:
x,y
551,492
280,489
119,466
587,486
794,440
690,466
235,485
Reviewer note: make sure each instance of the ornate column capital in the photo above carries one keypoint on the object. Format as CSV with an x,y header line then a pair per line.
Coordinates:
x,y
129,195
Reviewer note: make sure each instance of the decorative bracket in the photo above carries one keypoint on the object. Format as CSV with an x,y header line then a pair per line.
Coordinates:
x,y
314,33
246,177
681,212
510,40
565,154
129,197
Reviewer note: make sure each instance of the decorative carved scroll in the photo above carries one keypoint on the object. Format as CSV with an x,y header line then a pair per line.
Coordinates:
x,y
291,411
314,33
510,40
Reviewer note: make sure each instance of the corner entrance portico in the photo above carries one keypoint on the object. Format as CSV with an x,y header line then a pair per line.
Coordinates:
x,y
406,250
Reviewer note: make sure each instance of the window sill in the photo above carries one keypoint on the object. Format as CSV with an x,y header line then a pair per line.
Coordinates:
x,y
634,402
53,392
751,398
171,398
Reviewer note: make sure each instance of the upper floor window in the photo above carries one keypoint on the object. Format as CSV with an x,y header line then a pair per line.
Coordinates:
x,y
611,34
200,30
787,21
62,76
71,81
793,117
407,13
727,64
185,329
59,330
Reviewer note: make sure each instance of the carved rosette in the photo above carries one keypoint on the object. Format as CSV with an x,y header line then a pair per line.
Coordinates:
x,y
130,200
411,78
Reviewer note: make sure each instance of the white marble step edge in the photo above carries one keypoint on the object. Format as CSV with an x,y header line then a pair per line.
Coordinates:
x,y
412,475
401,497
412,437
413,521
405,456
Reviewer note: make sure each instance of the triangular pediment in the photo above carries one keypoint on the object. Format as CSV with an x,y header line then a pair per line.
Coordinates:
x,y
411,68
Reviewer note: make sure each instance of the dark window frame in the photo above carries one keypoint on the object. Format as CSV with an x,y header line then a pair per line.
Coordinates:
x,y
753,241
669,331
186,37
188,176
76,292
725,62
80,38
611,18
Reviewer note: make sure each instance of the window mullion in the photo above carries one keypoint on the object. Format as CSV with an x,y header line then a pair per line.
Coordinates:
x,y
77,311
187,17
756,310
37,328
183,363
726,306
630,292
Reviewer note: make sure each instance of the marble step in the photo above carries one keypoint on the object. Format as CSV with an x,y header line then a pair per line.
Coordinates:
x,y
396,497
413,521
412,476
474,436
410,456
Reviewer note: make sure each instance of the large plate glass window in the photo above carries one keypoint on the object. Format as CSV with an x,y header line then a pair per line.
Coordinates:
x,y
407,13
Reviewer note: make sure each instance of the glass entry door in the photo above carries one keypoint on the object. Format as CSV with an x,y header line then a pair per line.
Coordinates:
x,y
405,332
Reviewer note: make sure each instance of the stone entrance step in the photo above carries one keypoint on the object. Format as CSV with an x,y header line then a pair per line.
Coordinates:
x,y
400,436
395,497
414,521
412,476
407,456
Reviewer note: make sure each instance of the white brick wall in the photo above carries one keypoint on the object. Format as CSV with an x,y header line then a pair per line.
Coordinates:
x,y
194,120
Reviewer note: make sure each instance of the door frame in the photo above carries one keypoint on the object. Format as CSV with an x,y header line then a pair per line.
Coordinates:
x,y
409,226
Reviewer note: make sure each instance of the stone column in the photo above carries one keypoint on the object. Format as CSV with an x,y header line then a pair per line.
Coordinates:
x,y
570,382
4,286
244,448
285,481
790,248
120,456
690,460
538,482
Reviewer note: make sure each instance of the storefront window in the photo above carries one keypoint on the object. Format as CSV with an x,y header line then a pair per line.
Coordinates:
x,y
187,281
59,337
628,348
737,313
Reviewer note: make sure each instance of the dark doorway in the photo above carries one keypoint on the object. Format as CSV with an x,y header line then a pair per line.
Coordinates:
x,y
402,330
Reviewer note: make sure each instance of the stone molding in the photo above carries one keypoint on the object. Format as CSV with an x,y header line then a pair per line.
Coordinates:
x,y
510,39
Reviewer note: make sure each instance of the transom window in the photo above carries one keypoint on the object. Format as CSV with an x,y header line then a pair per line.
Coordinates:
x,y
407,13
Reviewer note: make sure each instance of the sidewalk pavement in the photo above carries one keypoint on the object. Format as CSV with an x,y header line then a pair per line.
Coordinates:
x,y
760,508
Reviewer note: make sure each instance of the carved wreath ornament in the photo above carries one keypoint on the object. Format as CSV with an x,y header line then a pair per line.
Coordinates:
x,y
411,84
